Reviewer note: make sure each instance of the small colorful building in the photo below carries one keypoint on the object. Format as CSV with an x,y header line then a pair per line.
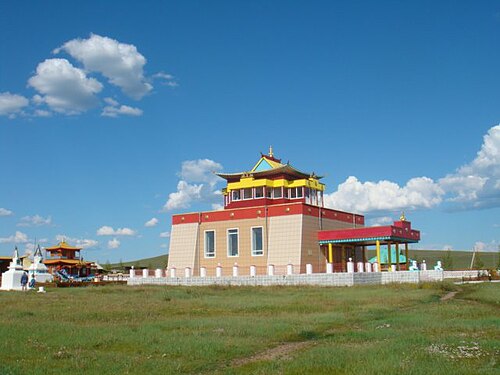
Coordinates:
x,y
68,258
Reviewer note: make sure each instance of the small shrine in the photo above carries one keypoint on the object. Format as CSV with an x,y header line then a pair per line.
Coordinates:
x,y
38,269
11,280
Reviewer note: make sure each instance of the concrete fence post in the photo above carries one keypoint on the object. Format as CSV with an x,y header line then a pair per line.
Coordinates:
x,y
173,272
368,267
218,271
158,272
235,270
131,272
187,272
145,272
289,269
309,268
203,272
360,267
350,266
329,268
253,271
270,270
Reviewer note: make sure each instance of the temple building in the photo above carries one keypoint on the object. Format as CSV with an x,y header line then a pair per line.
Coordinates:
x,y
63,256
274,215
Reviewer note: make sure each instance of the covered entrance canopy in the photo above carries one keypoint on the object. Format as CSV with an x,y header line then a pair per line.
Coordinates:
x,y
346,241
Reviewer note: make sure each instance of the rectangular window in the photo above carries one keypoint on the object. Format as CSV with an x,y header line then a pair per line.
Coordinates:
x,y
277,193
209,244
247,193
236,195
257,244
232,242
259,192
299,192
269,192
293,193
285,193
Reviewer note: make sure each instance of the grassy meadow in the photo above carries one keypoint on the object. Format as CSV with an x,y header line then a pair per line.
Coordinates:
x,y
252,330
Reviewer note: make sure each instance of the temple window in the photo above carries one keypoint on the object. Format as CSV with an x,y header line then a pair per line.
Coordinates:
x,y
269,192
259,192
296,192
209,244
277,193
235,195
247,193
257,243
232,242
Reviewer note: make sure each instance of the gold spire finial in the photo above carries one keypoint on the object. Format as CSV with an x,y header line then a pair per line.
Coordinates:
x,y
402,217
271,151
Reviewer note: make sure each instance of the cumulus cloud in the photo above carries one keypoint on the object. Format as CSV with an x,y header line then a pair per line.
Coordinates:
x,y
36,221
477,184
473,186
120,63
492,246
380,221
63,87
109,231
151,223
84,243
122,110
5,212
197,184
12,104
18,237
113,244
165,234
354,195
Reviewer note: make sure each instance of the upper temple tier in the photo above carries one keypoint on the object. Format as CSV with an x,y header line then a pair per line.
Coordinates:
x,y
271,182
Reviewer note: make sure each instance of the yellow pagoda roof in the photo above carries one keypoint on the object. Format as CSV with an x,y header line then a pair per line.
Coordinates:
x,y
268,165
63,245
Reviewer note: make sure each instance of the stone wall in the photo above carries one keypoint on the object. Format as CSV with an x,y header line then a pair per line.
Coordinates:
x,y
321,279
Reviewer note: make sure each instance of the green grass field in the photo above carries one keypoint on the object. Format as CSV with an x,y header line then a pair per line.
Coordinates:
x,y
394,329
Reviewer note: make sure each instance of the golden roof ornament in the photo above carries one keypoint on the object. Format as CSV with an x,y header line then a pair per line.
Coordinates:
x,y
271,151
402,217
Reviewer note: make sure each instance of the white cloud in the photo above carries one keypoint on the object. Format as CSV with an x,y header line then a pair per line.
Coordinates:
x,y
18,237
64,88
165,235
477,184
382,196
84,243
109,231
110,111
113,244
36,220
42,113
380,221
492,246
166,79
12,104
164,246
5,212
151,223
121,63
197,184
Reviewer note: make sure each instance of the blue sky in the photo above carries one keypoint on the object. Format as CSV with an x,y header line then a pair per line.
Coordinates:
x,y
114,117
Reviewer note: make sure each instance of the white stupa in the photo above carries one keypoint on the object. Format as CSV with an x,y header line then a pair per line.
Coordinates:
x,y
39,269
11,279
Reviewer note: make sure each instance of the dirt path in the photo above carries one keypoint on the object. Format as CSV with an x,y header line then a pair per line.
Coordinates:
x,y
283,351
448,296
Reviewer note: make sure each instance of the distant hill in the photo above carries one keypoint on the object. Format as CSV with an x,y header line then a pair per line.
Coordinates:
x,y
151,263
459,259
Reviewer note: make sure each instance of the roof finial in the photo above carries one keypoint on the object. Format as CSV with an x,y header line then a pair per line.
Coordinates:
x,y
271,151
402,217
